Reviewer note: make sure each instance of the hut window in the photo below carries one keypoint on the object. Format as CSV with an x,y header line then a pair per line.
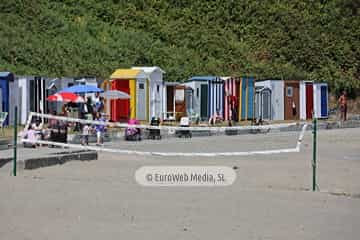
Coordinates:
x,y
179,95
141,86
197,92
157,88
289,91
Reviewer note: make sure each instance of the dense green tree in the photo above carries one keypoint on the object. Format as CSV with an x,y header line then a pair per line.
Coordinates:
x,y
289,39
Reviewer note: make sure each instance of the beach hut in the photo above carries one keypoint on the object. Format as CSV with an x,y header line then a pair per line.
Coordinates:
x,y
231,97
5,79
292,100
135,83
321,100
208,95
239,98
314,98
276,89
216,96
246,98
155,77
29,93
85,80
200,87
176,100
295,99
263,103
306,99
20,96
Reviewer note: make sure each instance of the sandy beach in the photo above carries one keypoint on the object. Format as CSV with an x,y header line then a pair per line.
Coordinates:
x,y
271,197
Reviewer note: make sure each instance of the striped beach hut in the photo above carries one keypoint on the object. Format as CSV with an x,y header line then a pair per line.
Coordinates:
x,y
135,83
313,99
239,98
30,92
247,98
231,97
216,96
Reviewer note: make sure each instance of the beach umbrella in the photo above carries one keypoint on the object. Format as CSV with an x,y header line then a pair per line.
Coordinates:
x,y
115,94
66,97
82,89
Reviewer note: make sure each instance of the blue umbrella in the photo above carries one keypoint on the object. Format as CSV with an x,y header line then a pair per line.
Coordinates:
x,y
82,89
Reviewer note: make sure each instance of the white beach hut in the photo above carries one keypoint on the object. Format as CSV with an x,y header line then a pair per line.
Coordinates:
x,y
156,84
277,97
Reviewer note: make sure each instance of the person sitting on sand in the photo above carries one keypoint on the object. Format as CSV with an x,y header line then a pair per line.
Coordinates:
x,y
30,135
38,128
215,118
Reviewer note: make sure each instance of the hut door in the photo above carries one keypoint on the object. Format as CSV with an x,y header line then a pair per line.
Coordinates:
x,y
1,100
120,108
204,101
141,100
309,100
35,95
257,104
250,89
158,99
292,101
324,110
21,111
266,104
189,100
169,101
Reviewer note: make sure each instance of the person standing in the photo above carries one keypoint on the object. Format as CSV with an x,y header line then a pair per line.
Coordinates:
x,y
343,106
100,129
96,98
96,102
99,106
85,134
87,110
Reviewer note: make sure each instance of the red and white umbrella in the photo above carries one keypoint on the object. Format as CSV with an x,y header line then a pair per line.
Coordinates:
x,y
66,97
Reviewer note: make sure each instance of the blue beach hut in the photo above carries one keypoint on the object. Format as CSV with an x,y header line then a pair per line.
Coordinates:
x,y
5,79
208,95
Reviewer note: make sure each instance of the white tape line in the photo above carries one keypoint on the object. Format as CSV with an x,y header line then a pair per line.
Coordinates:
x,y
167,154
209,154
173,128
28,122
301,136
